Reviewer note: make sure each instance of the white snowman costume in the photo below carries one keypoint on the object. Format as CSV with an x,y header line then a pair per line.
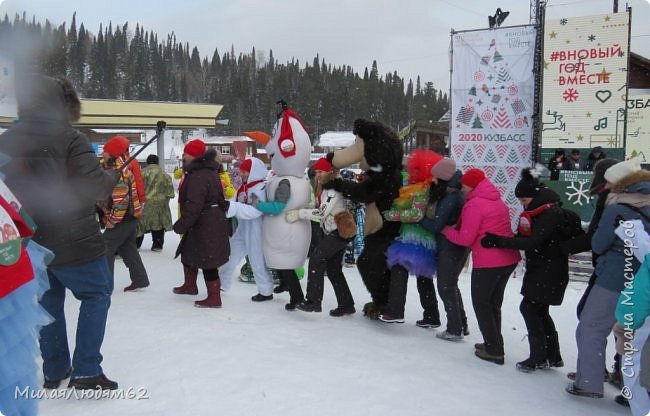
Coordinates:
x,y
286,245
247,239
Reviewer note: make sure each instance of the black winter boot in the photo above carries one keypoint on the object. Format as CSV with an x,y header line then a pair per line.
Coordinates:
x,y
100,382
309,306
553,351
55,383
529,365
280,288
342,310
537,359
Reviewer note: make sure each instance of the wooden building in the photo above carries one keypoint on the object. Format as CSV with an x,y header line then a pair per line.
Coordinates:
x,y
426,135
639,72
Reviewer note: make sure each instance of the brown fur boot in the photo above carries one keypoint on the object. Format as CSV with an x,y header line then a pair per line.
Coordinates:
x,y
214,295
371,310
189,286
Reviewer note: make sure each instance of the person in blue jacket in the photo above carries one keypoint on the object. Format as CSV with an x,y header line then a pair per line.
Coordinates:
x,y
628,200
445,191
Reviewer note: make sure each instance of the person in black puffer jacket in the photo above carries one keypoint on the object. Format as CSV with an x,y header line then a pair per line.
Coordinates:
x,y
547,268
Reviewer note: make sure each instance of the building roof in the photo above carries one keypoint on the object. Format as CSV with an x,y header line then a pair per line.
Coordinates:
x,y
336,139
115,114
224,139
145,114
118,131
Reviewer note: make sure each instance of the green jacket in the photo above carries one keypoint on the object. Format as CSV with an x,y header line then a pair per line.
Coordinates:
x,y
156,214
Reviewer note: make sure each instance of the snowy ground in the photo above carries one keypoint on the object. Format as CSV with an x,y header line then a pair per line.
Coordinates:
x,y
258,359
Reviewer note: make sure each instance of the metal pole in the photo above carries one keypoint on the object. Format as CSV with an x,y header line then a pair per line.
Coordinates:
x,y
160,150
539,81
449,99
160,128
627,79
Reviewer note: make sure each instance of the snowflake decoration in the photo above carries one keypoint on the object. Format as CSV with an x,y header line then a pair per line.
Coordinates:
x,y
570,95
591,38
564,21
578,190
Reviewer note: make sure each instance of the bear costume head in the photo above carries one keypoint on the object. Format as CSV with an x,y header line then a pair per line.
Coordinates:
x,y
379,153
377,148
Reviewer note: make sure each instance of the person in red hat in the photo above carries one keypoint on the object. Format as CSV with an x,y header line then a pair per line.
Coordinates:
x,y
121,213
485,212
328,255
202,223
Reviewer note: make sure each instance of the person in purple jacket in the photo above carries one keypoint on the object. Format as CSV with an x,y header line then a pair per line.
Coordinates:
x,y
485,212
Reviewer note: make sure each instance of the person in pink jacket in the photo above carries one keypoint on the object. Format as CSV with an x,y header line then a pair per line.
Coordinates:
x,y
485,212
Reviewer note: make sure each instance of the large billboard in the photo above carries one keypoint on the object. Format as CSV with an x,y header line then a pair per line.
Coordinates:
x,y
492,90
585,81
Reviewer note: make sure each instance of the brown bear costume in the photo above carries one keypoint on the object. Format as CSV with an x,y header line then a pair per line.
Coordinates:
x,y
379,152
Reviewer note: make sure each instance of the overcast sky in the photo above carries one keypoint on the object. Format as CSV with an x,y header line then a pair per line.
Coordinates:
x,y
407,36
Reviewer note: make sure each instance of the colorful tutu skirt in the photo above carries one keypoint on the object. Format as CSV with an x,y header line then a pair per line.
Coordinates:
x,y
415,250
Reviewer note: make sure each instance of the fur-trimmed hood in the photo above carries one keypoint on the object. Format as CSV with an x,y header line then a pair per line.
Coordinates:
x,y
207,161
637,182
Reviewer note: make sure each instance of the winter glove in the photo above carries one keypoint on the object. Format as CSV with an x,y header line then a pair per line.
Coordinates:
x,y
490,240
292,216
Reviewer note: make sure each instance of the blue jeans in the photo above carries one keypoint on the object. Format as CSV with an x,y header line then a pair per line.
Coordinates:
x,y
92,284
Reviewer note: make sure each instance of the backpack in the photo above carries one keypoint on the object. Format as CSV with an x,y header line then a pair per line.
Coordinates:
x,y
572,225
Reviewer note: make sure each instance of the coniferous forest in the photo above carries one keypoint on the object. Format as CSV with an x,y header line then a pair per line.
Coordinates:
x,y
129,63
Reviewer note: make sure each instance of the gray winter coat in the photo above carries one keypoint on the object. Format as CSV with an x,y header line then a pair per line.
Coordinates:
x,y
55,174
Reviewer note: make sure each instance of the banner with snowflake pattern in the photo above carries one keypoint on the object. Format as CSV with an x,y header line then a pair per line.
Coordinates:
x,y
585,81
492,87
